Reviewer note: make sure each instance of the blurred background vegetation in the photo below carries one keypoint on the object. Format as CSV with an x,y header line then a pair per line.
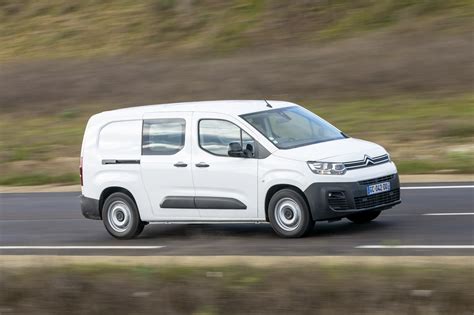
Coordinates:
x,y
209,290
398,72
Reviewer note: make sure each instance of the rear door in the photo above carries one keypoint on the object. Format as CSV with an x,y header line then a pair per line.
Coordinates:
x,y
166,165
225,187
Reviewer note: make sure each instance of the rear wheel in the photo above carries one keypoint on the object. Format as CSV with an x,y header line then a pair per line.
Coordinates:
x,y
289,214
364,217
120,216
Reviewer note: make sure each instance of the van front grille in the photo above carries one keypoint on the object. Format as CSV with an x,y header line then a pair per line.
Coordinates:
x,y
376,180
377,200
367,161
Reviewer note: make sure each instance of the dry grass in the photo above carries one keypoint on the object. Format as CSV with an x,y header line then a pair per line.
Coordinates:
x,y
374,66
76,28
328,289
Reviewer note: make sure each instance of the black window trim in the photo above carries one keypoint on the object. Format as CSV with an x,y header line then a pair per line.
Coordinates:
x,y
207,151
345,136
163,118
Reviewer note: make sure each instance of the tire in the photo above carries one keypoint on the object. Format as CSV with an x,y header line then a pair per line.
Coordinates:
x,y
364,217
120,216
140,229
289,214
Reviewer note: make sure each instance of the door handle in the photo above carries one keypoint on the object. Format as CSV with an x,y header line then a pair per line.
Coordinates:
x,y
202,164
180,164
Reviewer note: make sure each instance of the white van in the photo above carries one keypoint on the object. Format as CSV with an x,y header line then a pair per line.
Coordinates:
x,y
229,162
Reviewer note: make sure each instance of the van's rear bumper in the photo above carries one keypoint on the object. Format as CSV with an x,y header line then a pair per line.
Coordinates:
x,y
90,208
350,198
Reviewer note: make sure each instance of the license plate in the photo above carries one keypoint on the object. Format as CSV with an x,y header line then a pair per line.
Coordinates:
x,y
378,188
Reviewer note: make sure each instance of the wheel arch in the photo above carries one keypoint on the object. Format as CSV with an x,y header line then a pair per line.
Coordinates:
x,y
111,190
275,188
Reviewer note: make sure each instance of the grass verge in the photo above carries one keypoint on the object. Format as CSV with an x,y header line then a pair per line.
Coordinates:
x,y
171,289
39,179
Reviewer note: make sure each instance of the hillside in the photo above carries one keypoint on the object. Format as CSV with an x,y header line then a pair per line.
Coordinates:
x,y
76,28
397,72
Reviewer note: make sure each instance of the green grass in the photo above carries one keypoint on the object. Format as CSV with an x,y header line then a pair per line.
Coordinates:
x,y
65,28
412,117
366,15
41,138
239,18
459,163
39,179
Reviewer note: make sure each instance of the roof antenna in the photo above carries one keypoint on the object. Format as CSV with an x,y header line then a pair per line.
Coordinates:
x,y
268,104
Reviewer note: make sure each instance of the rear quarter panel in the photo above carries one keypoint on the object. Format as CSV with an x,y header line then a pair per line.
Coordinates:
x,y
113,139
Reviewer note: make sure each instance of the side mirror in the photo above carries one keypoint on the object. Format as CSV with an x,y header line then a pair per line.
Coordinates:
x,y
249,151
235,150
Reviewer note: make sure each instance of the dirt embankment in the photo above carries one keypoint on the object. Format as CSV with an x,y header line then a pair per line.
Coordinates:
x,y
374,65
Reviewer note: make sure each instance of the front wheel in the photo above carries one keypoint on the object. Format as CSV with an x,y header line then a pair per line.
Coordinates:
x,y
289,214
120,216
364,217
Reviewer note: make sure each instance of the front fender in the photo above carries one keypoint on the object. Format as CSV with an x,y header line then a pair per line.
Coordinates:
x,y
271,174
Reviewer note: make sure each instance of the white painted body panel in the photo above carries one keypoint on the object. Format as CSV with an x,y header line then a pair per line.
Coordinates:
x,y
98,177
225,177
161,178
247,180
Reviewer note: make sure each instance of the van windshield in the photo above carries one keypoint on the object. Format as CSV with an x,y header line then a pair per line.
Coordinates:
x,y
292,127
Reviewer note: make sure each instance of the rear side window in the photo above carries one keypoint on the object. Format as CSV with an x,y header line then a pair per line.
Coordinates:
x,y
215,135
163,136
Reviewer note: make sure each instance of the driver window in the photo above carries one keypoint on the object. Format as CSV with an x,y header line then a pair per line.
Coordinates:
x,y
215,136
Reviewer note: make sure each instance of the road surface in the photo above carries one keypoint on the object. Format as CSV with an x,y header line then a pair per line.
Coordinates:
x,y
434,219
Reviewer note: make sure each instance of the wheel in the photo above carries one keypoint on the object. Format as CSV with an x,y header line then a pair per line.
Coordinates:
x,y
120,216
289,214
364,217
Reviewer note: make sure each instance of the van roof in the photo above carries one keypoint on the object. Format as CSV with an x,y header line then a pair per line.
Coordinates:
x,y
232,107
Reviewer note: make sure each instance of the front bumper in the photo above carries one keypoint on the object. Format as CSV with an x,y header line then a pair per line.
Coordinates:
x,y
328,201
90,208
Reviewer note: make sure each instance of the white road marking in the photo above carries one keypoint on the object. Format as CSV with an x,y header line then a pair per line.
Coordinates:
x,y
438,187
80,247
39,220
450,213
416,246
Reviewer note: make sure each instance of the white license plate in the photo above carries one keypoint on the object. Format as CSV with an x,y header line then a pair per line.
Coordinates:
x,y
378,188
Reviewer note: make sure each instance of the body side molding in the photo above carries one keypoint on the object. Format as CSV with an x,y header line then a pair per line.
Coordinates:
x,y
187,202
112,161
178,202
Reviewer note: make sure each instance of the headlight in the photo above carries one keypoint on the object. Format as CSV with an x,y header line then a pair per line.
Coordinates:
x,y
327,168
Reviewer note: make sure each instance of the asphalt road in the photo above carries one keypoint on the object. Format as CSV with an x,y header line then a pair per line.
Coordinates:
x,y
432,220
